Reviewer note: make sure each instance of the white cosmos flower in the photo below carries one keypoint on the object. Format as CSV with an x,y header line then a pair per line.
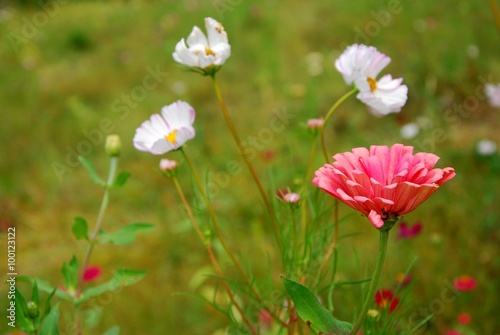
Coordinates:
x,y
493,93
202,52
168,131
360,61
384,96
486,147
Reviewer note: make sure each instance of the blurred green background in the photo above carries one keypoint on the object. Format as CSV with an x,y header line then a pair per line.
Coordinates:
x,y
68,65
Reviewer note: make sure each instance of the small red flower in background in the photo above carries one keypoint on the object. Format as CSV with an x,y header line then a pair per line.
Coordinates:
x,y
280,193
403,280
386,298
407,231
465,283
91,273
464,318
268,155
265,318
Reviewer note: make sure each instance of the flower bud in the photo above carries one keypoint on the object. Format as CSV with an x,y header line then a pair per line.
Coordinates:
x,y
169,167
373,313
33,310
314,125
291,198
113,145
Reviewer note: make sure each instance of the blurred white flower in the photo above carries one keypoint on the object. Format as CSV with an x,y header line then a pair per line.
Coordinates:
x,y
486,147
384,96
168,131
314,62
473,51
360,61
493,94
202,52
409,130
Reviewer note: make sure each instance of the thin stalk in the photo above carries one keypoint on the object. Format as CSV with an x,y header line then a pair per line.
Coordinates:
x,y
211,255
216,228
242,151
92,238
382,248
496,13
328,116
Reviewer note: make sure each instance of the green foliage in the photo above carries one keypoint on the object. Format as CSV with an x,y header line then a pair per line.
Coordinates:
x,y
113,331
122,278
28,314
125,235
312,313
70,275
92,171
121,179
80,228
49,325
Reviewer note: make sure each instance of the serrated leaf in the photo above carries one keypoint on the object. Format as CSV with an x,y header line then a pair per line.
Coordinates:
x,y
90,168
310,310
113,331
49,325
125,235
121,179
122,278
70,275
21,314
80,228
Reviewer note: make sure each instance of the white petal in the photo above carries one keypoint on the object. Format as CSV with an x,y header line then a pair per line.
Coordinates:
x,y
178,114
222,52
183,55
196,37
215,31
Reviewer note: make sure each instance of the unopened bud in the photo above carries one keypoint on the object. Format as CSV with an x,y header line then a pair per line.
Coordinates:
x,y
33,310
113,145
291,198
315,125
169,167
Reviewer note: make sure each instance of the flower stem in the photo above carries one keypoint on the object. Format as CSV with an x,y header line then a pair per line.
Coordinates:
x,y
216,229
211,255
382,248
496,13
104,204
328,116
242,151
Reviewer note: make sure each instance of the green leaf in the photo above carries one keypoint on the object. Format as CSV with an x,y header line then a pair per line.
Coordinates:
x,y
70,275
113,331
49,326
34,295
312,313
122,278
121,179
21,314
125,235
80,228
46,310
46,287
93,173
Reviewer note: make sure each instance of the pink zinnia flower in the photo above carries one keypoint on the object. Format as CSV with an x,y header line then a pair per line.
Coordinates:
x,y
382,183
91,273
386,299
465,283
407,231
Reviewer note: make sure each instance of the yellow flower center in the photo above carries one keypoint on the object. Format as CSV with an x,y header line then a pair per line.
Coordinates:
x,y
373,83
171,137
209,51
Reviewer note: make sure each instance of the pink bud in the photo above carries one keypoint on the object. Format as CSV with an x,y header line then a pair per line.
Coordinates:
x,y
168,165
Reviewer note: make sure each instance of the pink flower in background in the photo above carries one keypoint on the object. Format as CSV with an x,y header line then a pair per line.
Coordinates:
x,y
91,273
203,52
403,279
360,61
465,283
464,318
382,182
291,198
384,96
493,94
314,124
168,131
167,165
407,231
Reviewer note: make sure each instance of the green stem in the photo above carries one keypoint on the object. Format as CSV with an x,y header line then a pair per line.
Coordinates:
x,y
382,248
328,116
242,151
104,204
496,13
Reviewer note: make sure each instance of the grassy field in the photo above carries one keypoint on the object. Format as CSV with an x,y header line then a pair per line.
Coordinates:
x,y
73,72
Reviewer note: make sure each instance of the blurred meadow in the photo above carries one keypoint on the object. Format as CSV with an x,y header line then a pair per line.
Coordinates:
x,y
92,68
